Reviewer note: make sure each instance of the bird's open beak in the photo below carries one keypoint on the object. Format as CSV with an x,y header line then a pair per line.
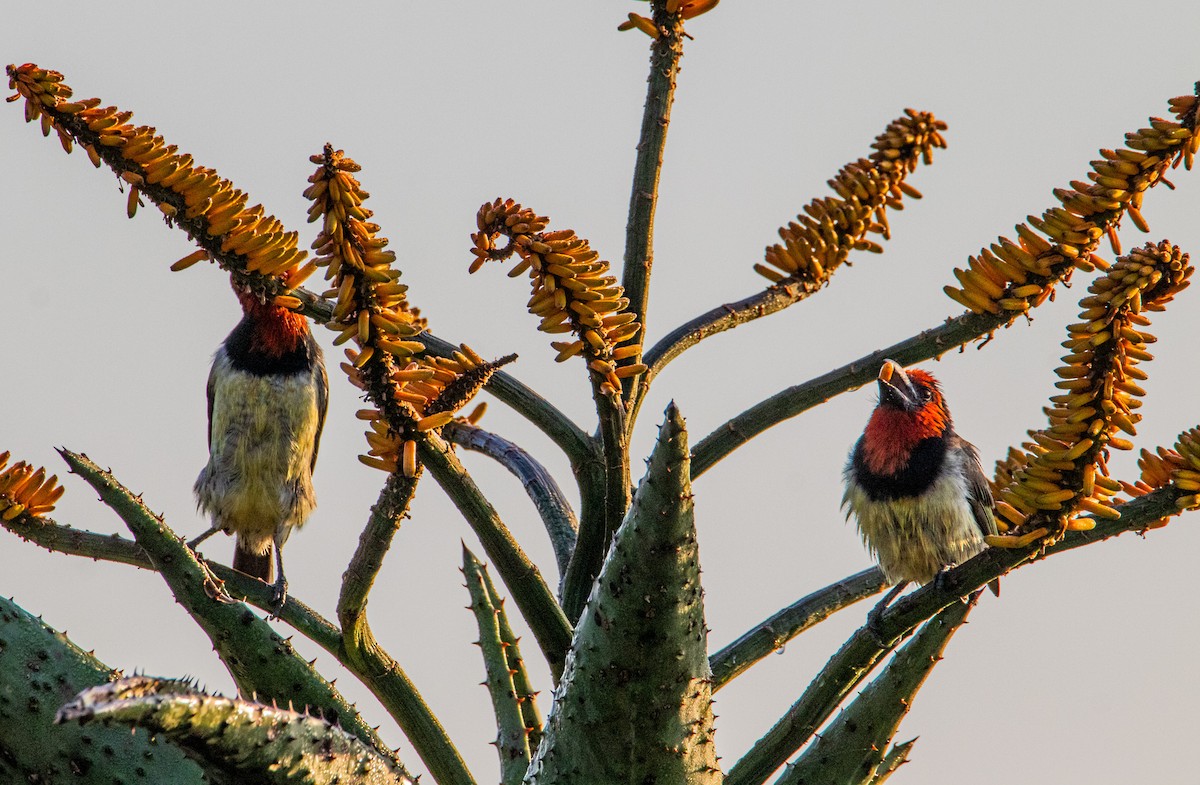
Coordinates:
x,y
895,388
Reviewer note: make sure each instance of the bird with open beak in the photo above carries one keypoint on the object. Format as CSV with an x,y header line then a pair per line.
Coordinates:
x,y
267,397
914,486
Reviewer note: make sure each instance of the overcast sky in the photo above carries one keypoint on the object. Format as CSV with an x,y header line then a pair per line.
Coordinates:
x,y
1083,671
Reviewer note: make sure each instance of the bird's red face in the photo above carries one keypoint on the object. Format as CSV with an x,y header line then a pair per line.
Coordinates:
x,y
277,331
911,408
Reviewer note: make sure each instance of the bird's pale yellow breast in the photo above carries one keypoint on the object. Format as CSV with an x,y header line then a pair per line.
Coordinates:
x,y
263,434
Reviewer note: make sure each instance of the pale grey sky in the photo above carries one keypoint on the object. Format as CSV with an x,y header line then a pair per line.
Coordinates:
x,y
1081,672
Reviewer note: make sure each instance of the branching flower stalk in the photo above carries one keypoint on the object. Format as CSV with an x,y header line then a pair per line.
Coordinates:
x,y
1065,469
822,237
372,309
1054,494
573,293
412,394
1039,265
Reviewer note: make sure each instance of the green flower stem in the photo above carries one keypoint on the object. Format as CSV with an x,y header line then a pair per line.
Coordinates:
x,y
610,492
538,606
665,54
772,633
552,505
577,445
861,653
719,319
363,655
373,545
578,580
260,661
391,685
512,743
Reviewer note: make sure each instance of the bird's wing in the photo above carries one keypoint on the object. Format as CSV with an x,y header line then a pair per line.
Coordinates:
x,y
211,390
322,381
979,493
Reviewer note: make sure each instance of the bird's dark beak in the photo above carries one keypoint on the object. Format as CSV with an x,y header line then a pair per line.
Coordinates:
x,y
895,388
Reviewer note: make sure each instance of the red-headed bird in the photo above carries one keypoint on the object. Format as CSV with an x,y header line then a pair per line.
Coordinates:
x,y
914,486
267,397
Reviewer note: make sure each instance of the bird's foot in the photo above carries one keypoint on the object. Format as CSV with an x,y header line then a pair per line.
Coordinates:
x,y
214,587
874,616
278,596
943,581
195,541
947,583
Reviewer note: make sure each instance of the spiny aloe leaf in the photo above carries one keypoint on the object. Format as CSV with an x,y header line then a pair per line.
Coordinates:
x,y
262,663
851,749
635,700
248,742
41,668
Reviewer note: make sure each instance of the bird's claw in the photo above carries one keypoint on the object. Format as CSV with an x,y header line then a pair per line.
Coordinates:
x,y
874,618
875,615
214,587
278,597
946,583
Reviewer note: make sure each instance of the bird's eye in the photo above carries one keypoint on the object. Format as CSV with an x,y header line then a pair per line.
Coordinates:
x,y
926,393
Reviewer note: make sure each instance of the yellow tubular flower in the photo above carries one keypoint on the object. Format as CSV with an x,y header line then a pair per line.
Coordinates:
x,y
686,9
1063,471
1178,467
1016,276
253,246
572,290
821,237
26,490
413,394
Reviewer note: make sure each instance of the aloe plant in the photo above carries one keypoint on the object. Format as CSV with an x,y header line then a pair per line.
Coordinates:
x,y
622,634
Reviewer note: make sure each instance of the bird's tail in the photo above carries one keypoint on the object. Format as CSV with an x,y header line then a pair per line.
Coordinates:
x,y
256,565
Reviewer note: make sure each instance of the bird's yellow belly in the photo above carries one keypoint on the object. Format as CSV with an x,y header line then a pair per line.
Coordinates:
x,y
259,474
915,538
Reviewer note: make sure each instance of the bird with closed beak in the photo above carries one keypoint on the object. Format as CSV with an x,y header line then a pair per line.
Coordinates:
x,y
267,397
915,487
